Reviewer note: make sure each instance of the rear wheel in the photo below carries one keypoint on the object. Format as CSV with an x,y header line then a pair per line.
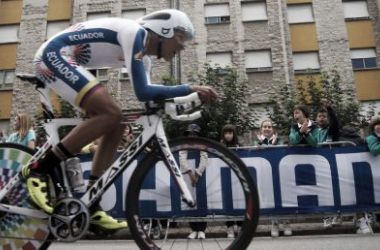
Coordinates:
x,y
19,231
224,191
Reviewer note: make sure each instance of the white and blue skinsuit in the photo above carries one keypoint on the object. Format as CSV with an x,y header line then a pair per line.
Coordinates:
x,y
62,62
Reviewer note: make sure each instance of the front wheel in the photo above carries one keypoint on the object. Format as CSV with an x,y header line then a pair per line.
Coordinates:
x,y
18,231
226,198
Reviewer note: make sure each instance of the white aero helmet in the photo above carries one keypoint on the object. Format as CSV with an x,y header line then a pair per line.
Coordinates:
x,y
165,22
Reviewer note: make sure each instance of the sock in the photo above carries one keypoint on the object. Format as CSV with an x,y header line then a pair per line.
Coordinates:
x,y
96,205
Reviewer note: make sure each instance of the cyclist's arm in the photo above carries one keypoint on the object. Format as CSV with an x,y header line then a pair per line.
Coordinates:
x,y
145,91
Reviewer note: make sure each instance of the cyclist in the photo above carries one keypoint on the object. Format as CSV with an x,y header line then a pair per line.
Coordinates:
x,y
61,64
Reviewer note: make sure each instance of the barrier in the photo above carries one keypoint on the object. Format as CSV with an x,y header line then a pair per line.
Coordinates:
x,y
290,180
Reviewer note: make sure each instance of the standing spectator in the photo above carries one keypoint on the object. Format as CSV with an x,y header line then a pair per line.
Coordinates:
x,y
197,228
350,134
230,139
327,131
373,139
24,134
2,135
327,123
303,132
268,137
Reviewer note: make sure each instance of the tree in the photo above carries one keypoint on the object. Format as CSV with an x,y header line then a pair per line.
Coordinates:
x,y
346,107
231,107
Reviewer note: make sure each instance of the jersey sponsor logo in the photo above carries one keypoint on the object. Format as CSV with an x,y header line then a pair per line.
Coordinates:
x,y
138,56
59,65
89,35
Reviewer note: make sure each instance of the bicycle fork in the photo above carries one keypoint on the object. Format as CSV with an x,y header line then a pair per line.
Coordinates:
x,y
173,167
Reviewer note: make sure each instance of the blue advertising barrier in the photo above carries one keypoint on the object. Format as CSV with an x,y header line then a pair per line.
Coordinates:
x,y
290,180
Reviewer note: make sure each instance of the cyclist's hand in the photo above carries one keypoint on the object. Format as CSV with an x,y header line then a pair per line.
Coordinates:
x,y
208,94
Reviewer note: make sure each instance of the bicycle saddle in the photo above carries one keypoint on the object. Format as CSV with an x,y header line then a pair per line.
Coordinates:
x,y
32,79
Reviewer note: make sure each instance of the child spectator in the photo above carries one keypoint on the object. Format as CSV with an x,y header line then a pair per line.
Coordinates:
x,y
230,139
327,123
268,137
304,131
198,228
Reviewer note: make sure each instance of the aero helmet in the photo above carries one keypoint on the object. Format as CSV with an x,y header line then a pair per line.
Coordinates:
x,y
165,22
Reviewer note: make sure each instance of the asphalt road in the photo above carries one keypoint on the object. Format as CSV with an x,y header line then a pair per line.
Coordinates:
x,y
333,242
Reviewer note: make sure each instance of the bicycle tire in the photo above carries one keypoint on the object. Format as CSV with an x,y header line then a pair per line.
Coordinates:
x,y
18,231
215,150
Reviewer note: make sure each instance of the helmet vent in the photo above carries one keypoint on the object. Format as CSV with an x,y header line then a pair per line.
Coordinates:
x,y
158,16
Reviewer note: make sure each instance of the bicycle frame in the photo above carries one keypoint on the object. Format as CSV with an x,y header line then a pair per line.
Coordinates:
x,y
153,132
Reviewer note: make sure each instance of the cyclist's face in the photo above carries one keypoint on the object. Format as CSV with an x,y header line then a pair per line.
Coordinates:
x,y
173,45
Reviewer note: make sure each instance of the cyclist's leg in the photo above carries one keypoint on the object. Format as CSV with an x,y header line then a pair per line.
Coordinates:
x,y
78,86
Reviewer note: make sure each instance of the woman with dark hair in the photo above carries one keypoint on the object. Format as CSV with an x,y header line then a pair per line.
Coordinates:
x,y
230,139
303,132
198,228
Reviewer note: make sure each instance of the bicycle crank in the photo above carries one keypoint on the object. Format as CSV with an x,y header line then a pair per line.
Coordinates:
x,y
70,219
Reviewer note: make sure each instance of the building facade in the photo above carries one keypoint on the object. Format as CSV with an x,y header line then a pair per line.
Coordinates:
x,y
270,42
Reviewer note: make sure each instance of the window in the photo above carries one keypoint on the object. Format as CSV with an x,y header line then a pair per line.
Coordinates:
x,y
6,78
97,15
102,75
123,74
9,33
355,9
217,13
363,58
258,60
55,27
305,61
254,11
300,13
224,59
133,14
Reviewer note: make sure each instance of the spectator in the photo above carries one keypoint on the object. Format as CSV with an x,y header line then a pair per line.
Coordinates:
x,y
197,228
304,131
327,123
91,148
230,139
128,137
327,131
267,137
350,134
2,136
373,139
24,134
